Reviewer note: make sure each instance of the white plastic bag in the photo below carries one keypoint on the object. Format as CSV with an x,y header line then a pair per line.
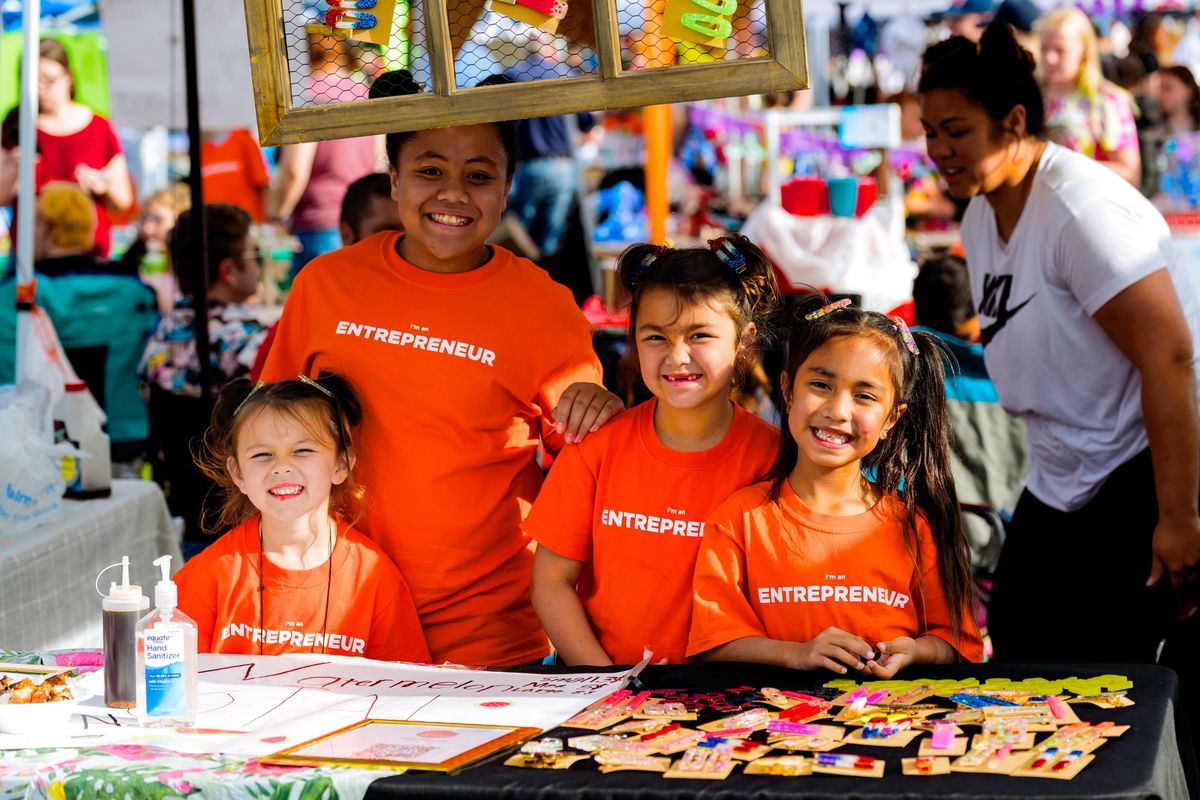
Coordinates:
x,y
31,483
857,256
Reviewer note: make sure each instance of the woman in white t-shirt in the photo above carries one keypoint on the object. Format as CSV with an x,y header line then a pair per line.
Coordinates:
x,y
1090,335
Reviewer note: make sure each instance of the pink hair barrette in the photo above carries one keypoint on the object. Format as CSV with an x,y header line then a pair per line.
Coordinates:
x,y
906,336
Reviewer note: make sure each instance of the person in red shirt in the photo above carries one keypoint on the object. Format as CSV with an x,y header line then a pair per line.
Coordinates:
x,y
469,359
852,555
73,144
293,575
233,171
621,516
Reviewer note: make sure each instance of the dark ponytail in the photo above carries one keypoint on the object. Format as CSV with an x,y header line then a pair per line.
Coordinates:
x,y
748,290
913,462
997,74
328,398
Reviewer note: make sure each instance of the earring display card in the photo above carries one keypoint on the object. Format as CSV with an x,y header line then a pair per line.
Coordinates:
x,y
555,761
900,739
629,762
1018,743
704,763
812,744
925,766
787,766
831,732
854,767
958,748
991,764
1064,768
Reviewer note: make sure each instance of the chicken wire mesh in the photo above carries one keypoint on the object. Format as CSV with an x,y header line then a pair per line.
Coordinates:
x,y
328,65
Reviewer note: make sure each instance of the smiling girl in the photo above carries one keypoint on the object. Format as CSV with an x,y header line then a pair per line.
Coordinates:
x,y
467,359
621,516
852,555
293,575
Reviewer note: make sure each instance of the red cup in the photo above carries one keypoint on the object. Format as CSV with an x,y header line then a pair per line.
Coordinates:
x,y
805,197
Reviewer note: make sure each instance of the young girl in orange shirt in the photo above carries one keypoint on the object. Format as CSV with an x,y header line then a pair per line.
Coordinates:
x,y
852,554
293,575
621,515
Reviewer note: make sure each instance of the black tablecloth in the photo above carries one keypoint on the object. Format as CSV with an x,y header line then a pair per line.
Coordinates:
x,y
1144,763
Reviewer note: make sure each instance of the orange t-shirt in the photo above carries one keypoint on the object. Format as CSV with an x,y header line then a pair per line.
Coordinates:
x,y
783,571
233,171
634,511
458,376
370,612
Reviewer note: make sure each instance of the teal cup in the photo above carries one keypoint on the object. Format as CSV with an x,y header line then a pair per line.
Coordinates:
x,y
843,196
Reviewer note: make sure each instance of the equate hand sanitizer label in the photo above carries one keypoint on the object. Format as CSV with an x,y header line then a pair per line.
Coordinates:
x,y
164,653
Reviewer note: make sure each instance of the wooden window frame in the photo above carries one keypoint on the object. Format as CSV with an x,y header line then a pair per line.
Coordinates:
x,y
280,122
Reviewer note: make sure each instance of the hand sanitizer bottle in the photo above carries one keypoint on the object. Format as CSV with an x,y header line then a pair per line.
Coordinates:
x,y
166,659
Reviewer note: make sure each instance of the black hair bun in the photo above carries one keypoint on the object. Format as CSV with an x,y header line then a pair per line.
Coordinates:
x,y
1000,50
396,83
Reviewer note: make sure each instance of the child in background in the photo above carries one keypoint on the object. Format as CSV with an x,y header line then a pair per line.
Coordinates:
x,y
293,575
852,555
461,351
621,516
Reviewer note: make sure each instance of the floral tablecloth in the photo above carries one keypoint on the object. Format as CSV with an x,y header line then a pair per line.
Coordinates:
x,y
134,771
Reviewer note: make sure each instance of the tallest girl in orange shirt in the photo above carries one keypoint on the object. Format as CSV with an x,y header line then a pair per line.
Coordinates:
x,y
460,351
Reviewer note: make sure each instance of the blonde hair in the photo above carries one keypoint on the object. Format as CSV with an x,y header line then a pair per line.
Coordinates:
x,y
1073,22
176,196
70,215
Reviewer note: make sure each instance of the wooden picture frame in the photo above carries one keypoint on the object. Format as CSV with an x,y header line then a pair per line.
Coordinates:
x,y
281,121
367,743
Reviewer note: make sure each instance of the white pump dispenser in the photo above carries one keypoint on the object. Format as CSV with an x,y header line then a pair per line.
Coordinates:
x,y
166,658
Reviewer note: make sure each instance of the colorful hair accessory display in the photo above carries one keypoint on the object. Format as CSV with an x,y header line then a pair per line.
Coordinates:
x,y
349,19
352,3
724,249
909,342
827,310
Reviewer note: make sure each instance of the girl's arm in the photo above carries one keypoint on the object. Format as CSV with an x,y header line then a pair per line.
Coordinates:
x,y
832,649
1146,323
558,607
1126,162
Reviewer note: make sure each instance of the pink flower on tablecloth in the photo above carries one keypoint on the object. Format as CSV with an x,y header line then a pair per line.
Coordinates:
x,y
174,779
130,752
254,767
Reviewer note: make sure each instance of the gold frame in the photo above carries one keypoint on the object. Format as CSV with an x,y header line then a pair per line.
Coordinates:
x,y
515,735
786,68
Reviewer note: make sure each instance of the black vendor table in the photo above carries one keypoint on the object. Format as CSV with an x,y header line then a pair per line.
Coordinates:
x,y
1144,763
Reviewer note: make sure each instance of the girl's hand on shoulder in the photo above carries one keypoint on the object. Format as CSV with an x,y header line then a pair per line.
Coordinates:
x,y
893,657
583,408
833,649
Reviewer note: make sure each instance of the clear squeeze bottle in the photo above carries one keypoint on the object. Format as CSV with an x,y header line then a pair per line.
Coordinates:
x,y
166,658
123,606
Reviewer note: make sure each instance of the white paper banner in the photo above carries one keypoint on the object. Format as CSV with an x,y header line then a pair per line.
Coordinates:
x,y
254,705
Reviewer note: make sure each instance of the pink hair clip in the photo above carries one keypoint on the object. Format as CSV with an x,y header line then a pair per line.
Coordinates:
x,y
906,336
826,310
